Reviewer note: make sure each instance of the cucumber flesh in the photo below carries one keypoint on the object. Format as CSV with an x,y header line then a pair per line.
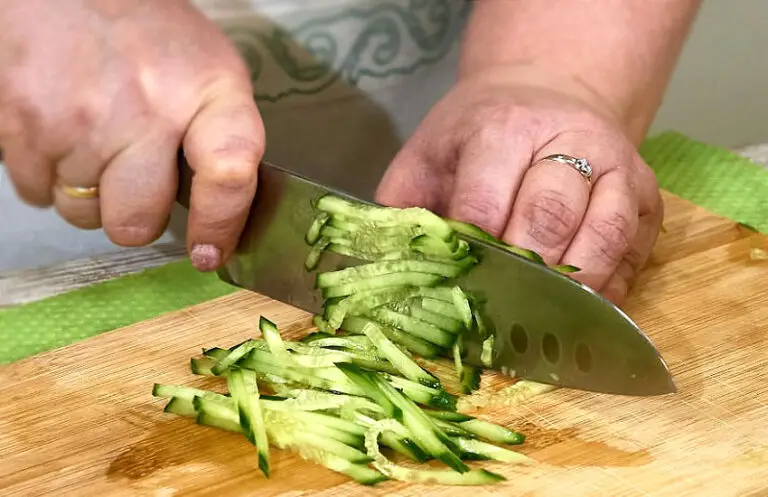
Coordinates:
x,y
452,416
393,280
402,361
492,432
486,451
356,273
355,324
442,477
424,431
416,327
244,388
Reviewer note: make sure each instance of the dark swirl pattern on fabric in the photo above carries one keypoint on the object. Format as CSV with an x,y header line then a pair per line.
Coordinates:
x,y
388,39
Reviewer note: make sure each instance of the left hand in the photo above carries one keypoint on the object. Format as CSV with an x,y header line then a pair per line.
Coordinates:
x,y
475,158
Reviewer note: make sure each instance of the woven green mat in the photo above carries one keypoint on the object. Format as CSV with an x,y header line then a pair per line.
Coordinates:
x,y
712,177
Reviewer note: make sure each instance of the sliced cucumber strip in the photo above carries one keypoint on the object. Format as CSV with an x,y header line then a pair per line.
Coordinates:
x,y
402,361
358,472
202,366
462,306
313,234
452,416
428,436
443,322
442,477
470,379
355,273
313,257
488,451
244,388
320,378
363,380
216,353
180,407
355,324
430,222
443,308
402,444
432,397
183,392
416,327
492,432
382,281
235,355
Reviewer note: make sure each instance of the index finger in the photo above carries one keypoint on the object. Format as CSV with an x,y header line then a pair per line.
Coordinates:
x,y
223,145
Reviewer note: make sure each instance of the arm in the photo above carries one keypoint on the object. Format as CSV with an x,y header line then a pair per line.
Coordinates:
x,y
614,54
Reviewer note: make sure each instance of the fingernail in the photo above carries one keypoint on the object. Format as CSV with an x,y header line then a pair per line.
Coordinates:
x,y
205,257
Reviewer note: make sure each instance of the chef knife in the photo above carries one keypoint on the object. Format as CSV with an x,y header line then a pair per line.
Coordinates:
x,y
546,326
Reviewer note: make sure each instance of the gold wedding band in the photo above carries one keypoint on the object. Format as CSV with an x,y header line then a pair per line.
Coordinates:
x,y
80,191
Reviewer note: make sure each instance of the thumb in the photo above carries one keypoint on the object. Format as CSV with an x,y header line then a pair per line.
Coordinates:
x,y
223,146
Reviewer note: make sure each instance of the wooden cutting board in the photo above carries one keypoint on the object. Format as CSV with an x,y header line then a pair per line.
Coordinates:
x,y
81,420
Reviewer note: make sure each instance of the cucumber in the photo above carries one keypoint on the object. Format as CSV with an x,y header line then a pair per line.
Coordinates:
x,y
313,257
401,444
216,353
319,378
443,477
443,322
202,366
187,393
452,416
416,327
402,361
244,389
355,324
428,436
355,273
313,234
430,222
382,281
180,407
492,432
363,381
235,355
485,451
432,397
360,473
476,232
441,307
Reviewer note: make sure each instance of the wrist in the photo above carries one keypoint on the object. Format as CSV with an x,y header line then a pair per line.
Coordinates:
x,y
617,55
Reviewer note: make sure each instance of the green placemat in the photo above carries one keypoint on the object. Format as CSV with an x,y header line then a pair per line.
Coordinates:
x,y
712,177
63,319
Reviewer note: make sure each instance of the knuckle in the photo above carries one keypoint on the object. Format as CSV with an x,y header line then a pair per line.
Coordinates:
x,y
552,218
482,208
236,162
613,236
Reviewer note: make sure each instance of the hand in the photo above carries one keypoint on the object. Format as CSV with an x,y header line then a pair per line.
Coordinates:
x,y
103,93
476,158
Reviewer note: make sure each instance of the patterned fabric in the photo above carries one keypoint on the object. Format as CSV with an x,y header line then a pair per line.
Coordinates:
x,y
712,177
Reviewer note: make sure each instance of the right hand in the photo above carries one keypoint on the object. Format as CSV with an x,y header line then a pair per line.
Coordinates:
x,y
103,93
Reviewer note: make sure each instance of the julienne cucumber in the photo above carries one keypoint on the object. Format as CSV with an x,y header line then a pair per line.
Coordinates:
x,y
342,393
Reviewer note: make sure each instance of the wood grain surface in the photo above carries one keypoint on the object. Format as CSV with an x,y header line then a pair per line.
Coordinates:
x,y
81,420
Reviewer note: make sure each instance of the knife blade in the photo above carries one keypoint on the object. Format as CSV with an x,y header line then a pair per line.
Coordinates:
x,y
547,327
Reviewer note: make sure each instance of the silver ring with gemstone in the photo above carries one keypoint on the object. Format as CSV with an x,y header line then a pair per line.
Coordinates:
x,y
581,165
